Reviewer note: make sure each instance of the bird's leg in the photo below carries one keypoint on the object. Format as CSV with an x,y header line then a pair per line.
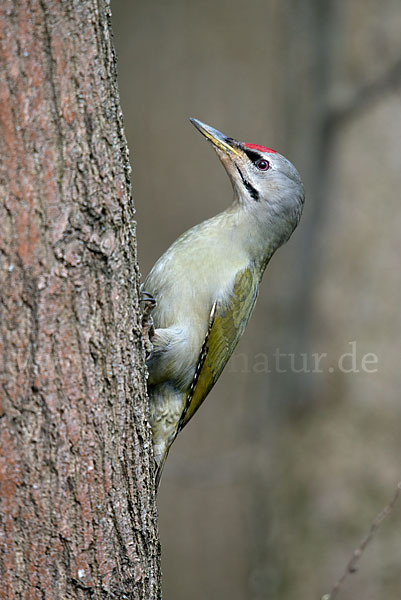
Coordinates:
x,y
147,304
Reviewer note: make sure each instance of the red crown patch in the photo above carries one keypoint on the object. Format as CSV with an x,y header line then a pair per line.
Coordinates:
x,y
260,148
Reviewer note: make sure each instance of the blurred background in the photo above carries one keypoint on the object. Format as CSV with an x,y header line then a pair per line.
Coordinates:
x,y
271,486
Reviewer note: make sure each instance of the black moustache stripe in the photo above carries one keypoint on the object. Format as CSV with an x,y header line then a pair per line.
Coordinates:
x,y
252,192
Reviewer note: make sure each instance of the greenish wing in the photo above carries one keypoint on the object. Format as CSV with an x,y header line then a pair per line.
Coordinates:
x,y
227,323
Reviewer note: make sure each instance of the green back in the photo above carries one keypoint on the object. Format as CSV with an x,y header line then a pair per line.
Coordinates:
x,y
227,323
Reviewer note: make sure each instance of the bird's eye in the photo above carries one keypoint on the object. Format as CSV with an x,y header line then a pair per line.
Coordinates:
x,y
262,164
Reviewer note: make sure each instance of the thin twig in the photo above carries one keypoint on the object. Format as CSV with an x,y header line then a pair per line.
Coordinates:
x,y
351,566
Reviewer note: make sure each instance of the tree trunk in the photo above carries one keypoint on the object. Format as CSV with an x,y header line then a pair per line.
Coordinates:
x,y
77,512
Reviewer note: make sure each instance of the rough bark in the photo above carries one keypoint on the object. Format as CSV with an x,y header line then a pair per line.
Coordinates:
x,y
77,511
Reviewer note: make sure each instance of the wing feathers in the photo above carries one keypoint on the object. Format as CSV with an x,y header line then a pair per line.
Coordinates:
x,y
227,323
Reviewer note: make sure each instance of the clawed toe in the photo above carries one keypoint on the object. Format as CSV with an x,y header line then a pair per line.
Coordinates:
x,y
148,303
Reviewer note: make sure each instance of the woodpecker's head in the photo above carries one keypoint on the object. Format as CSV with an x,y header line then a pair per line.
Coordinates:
x,y
264,181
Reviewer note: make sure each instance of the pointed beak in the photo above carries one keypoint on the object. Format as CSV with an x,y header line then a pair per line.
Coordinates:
x,y
218,139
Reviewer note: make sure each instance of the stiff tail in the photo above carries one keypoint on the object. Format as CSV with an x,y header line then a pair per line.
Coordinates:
x,y
159,466
166,406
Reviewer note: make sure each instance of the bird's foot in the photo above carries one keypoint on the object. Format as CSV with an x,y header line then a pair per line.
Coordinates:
x,y
147,304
